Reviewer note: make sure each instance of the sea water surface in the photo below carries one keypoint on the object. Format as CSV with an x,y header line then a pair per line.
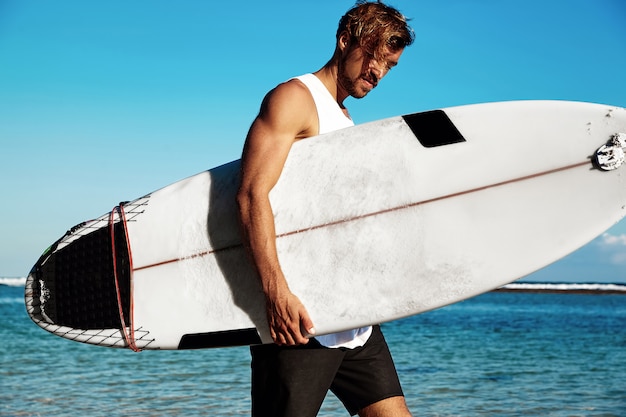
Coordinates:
x,y
512,353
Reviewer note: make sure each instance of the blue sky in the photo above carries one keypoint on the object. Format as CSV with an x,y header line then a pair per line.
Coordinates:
x,y
102,102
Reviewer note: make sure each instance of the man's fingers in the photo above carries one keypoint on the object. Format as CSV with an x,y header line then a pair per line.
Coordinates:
x,y
306,327
290,336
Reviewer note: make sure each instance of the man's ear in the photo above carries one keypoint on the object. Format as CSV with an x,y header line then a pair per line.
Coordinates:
x,y
344,41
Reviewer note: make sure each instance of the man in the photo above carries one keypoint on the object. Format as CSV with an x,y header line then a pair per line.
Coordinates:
x,y
292,376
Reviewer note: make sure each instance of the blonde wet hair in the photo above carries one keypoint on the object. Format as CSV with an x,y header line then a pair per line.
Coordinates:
x,y
376,27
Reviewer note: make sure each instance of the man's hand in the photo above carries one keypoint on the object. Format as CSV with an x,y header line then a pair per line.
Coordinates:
x,y
288,319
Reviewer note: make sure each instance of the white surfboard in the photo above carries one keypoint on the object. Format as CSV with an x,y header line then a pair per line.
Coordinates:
x,y
374,223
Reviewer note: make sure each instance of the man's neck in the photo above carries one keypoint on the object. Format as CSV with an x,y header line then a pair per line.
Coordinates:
x,y
328,76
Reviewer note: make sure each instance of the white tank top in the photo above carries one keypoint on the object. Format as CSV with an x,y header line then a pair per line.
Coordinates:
x,y
331,117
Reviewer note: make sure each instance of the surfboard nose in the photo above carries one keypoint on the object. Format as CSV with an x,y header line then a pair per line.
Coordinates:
x,y
73,282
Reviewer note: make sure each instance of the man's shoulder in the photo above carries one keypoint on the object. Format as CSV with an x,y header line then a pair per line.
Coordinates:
x,y
290,106
290,95
293,88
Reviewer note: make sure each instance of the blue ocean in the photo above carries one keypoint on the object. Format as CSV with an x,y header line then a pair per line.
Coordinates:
x,y
514,353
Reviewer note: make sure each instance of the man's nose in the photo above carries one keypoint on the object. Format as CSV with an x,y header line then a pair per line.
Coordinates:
x,y
378,69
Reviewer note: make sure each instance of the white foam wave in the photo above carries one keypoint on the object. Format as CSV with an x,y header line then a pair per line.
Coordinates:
x,y
13,282
536,286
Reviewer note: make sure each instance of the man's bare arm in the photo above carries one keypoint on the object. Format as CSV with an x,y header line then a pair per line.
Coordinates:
x,y
286,115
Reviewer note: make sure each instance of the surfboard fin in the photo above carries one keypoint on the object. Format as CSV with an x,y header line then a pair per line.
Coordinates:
x,y
611,155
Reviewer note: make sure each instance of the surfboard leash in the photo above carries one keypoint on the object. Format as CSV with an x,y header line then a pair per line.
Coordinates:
x,y
129,332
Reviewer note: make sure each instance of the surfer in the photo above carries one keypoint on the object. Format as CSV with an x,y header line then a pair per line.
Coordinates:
x,y
292,376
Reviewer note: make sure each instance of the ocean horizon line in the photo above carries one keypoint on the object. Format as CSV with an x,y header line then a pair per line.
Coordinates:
x,y
517,286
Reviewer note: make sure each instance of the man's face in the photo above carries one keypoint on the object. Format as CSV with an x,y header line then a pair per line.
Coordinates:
x,y
359,72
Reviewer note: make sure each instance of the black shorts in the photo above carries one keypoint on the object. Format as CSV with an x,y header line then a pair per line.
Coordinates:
x,y
293,381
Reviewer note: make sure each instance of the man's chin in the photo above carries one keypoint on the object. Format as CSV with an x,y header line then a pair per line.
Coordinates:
x,y
360,93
